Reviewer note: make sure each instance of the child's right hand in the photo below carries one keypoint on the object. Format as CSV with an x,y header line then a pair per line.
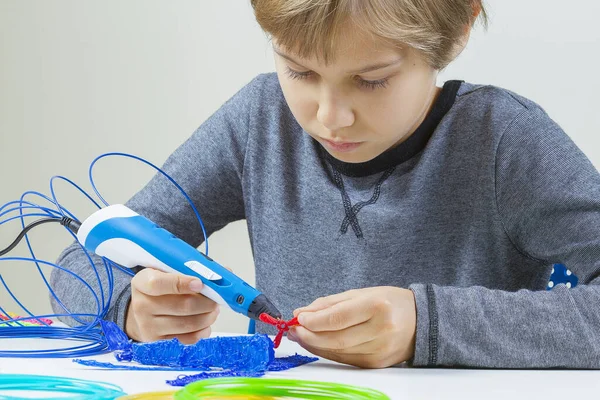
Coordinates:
x,y
167,305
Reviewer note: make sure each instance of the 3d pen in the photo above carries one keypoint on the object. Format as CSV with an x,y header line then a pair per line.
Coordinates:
x,y
130,240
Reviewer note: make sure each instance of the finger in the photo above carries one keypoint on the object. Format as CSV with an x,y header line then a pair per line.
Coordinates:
x,y
339,316
190,338
180,305
169,326
157,283
324,302
347,340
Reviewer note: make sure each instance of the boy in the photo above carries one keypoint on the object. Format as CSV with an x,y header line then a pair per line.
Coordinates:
x,y
424,221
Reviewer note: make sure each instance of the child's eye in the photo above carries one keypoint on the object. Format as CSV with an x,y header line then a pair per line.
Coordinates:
x,y
363,83
372,85
297,75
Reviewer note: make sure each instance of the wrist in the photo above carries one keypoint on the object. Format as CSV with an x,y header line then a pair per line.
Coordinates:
x,y
413,325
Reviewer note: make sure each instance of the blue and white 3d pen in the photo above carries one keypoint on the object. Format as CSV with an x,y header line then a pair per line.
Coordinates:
x,y
130,240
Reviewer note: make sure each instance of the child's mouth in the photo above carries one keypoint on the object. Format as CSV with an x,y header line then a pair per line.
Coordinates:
x,y
341,147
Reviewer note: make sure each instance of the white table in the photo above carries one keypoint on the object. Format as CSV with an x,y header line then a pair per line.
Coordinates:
x,y
397,383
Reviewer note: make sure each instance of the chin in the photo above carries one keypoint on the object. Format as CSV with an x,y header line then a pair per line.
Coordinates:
x,y
352,158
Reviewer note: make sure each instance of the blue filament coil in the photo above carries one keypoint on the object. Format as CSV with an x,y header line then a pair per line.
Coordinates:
x,y
88,335
77,388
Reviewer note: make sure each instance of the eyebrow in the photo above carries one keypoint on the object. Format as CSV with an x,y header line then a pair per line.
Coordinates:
x,y
364,70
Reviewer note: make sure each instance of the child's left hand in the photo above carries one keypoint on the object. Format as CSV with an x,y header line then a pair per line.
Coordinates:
x,y
371,328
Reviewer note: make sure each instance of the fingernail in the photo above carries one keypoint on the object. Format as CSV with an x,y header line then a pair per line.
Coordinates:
x,y
301,319
196,285
291,336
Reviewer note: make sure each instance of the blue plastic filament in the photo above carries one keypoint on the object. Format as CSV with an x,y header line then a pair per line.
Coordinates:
x,y
88,337
53,387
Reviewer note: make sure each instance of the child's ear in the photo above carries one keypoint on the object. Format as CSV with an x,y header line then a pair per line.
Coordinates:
x,y
476,10
476,5
461,44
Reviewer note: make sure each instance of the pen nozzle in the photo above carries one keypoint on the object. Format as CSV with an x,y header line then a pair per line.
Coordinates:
x,y
262,305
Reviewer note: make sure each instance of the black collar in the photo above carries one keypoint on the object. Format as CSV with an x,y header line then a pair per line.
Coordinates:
x,y
405,150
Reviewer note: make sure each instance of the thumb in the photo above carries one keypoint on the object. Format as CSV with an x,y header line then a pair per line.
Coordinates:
x,y
158,283
325,302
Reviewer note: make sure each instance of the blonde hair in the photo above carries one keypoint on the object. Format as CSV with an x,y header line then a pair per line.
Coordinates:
x,y
437,28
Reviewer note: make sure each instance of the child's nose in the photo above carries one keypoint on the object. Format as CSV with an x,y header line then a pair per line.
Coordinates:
x,y
334,113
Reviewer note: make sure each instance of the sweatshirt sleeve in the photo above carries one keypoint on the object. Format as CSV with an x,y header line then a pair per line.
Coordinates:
x,y
548,199
209,167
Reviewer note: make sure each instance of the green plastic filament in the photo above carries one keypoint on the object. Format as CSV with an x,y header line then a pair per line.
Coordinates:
x,y
260,388
78,388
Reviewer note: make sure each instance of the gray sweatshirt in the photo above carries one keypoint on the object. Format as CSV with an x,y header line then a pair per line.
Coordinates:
x,y
470,213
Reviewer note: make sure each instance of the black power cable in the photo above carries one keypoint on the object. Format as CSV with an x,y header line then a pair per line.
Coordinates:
x,y
64,221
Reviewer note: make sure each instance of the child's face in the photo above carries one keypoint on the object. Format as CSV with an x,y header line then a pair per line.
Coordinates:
x,y
370,98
